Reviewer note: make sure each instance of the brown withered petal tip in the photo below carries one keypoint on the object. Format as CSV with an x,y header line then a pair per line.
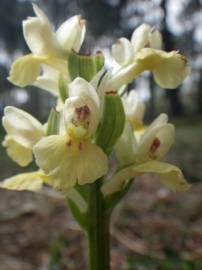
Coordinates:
x,y
99,52
112,92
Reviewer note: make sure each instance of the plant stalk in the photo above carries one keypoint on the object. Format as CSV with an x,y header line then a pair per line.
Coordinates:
x,y
99,231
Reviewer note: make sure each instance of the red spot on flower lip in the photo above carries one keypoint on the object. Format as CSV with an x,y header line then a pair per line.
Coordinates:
x,y
155,145
82,112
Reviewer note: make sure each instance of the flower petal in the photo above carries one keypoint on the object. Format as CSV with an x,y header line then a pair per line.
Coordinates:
x,y
125,148
67,163
146,36
134,109
169,69
155,142
38,34
96,80
41,15
155,39
123,51
49,80
17,152
140,37
26,181
21,126
170,176
124,75
71,33
25,70
58,64
80,87
93,163
161,119
118,181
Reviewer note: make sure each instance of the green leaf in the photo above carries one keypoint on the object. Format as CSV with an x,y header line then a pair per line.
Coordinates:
x,y
112,200
53,122
112,123
99,61
73,65
62,88
85,66
81,218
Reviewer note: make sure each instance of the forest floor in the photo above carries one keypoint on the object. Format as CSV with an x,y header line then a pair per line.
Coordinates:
x,y
152,227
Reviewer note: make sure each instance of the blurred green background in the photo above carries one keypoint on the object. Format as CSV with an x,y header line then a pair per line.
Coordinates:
x,y
153,229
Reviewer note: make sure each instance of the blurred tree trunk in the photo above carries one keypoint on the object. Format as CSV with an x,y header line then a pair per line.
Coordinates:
x,y
102,17
35,102
196,4
151,107
175,105
199,94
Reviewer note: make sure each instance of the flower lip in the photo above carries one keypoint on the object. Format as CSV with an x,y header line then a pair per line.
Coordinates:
x,y
78,126
66,167
80,117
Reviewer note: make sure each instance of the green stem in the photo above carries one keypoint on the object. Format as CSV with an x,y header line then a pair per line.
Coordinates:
x,y
99,231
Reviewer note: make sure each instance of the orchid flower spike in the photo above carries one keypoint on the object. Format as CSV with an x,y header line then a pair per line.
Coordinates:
x,y
93,120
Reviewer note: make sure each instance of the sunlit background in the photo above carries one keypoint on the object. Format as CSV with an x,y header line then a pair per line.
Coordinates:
x,y
153,229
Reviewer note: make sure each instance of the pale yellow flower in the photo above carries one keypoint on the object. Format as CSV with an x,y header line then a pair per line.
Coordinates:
x,y
146,36
23,131
144,52
19,153
139,154
47,47
32,181
124,51
71,157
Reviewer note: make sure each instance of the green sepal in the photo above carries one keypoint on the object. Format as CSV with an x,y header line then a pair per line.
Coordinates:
x,y
53,122
81,218
62,85
84,66
112,123
73,65
99,60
